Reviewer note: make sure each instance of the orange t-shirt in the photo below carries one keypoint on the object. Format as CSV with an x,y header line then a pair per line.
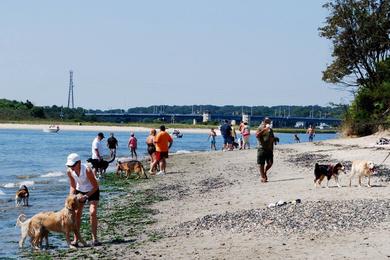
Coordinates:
x,y
162,141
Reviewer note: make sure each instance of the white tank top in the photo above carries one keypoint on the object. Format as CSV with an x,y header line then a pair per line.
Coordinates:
x,y
82,182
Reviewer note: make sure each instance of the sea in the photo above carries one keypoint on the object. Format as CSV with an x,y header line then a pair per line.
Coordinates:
x,y
37,159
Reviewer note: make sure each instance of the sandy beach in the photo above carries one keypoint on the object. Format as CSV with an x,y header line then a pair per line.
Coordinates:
x,y
216,208
97,128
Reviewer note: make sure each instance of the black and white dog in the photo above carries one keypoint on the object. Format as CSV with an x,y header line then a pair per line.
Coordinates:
x,y
22,196
327,170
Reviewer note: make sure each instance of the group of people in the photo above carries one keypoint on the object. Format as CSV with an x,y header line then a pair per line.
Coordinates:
x,y
230,138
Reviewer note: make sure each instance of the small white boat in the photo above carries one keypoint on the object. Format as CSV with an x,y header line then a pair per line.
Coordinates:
x,y
52,129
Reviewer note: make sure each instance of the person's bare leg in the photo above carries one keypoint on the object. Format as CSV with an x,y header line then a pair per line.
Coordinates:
x,y
93,218
79,213
163,165
262,173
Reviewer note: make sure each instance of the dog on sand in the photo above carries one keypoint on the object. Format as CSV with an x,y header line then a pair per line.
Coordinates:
x,y
361,169
327,170
129,167
39,226
22,196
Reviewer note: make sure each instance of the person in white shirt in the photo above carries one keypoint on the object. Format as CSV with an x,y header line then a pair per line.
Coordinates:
x,y
82,181
97,147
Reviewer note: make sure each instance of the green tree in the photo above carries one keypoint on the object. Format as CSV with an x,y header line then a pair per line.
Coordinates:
x,y
359,31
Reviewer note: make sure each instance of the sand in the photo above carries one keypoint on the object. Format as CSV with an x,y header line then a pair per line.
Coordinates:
x,y
96,128
221,190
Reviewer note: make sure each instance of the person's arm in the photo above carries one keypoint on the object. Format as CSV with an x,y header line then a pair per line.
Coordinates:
x,y
170,141
92,180
72,183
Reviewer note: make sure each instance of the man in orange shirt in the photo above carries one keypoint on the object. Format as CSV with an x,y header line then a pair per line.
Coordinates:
x,y
163,142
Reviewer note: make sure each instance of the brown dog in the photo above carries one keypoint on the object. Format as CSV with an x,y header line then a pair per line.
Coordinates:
x,y
63,221
129,167
22,196
362,169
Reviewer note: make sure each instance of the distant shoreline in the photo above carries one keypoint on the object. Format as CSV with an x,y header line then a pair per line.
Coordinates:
x,y
113,128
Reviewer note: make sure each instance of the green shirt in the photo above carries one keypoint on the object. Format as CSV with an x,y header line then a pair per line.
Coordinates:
x,y
266,138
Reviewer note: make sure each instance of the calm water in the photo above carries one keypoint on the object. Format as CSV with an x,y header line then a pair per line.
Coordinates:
x,y
37,159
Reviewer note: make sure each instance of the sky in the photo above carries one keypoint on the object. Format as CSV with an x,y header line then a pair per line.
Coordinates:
x,y
172,52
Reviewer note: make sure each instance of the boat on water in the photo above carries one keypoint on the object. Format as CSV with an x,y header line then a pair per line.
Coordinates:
x,y
177,133
52,129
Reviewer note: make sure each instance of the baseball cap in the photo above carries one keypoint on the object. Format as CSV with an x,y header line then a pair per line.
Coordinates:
x,y
101,135
72,159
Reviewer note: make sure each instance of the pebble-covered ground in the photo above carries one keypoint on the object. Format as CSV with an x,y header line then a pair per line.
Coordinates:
x,y
311,217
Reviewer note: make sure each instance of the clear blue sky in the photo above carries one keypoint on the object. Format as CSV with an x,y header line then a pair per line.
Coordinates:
x,y
141,53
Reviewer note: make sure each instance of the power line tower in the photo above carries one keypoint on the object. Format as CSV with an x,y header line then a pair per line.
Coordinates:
x,y
70,94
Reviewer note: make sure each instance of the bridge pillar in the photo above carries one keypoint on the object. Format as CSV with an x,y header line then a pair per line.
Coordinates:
x,y
206,117
246,118
194,121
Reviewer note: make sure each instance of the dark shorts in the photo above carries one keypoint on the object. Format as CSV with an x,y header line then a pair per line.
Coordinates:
x,y
264,156
161,155
93,197
151,149
227,139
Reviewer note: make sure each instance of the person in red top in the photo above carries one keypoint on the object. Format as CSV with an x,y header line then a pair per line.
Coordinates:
x,y
163,142
133,145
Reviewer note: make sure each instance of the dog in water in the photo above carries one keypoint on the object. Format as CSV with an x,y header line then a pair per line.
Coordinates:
x,y
22,196
129,167
39,226
100,165
327,170
362,169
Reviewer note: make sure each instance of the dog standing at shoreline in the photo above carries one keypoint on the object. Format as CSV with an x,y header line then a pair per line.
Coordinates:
x,y
129,167
22,196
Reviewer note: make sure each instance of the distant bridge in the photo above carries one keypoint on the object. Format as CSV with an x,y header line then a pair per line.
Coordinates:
x,y
278,121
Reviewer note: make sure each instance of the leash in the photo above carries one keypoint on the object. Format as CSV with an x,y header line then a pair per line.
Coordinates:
x,y
385,159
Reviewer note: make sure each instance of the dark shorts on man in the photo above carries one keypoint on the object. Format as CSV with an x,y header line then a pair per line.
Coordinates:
x,y
161,155
95,196
264,156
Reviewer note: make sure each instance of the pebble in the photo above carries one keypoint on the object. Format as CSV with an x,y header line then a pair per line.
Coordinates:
x,y
314,217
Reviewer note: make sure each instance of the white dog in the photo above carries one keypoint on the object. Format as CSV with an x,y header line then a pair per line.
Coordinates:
x,y
362,168
23,223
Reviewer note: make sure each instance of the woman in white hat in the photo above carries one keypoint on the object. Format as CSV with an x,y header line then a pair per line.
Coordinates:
x,y
83,181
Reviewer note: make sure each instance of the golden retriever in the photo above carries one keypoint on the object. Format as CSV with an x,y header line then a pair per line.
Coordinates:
x,y
129,167
362,168
63,221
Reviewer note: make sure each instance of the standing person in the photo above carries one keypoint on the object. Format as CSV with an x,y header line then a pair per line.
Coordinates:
x,y
246,133
83,181
151,149
97,147
211,137
112,144
265,136
233,135
133,145
163,142
310,131
241,138
226,132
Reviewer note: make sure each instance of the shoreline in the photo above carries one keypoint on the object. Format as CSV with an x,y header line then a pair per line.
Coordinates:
x,y
214,206
102,128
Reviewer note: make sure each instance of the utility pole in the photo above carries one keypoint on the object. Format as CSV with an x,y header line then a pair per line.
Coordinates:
x,y
70,93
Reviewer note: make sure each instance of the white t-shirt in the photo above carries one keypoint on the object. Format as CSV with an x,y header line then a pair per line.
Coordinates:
x,y
97,144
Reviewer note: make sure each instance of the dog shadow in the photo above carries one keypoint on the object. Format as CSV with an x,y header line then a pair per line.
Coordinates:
x,y
290,179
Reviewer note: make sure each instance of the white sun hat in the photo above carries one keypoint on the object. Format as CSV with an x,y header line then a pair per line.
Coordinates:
x,y
72,159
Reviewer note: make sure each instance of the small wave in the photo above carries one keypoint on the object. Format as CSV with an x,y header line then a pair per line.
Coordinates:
x,y
63,180
182,151
2,193
9,185
27,183
52,174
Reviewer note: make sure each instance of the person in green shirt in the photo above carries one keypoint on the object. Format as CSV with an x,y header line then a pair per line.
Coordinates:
x,y
265,152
